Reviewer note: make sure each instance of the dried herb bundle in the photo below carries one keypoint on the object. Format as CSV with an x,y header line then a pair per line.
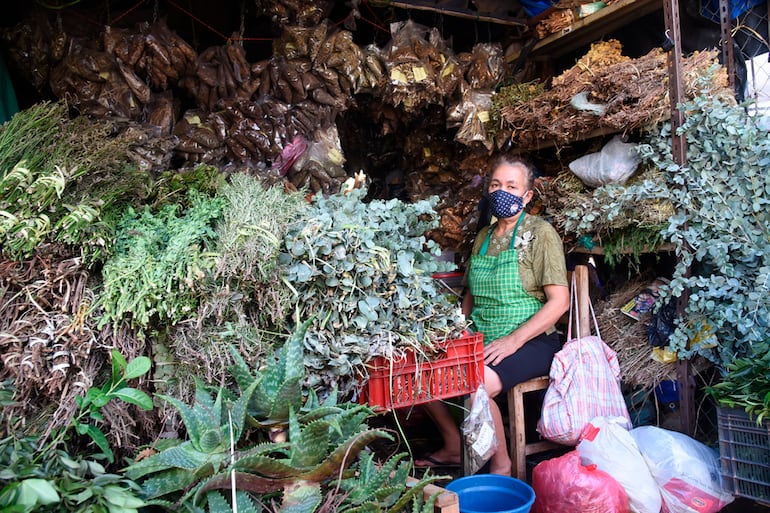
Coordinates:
x,y
252,228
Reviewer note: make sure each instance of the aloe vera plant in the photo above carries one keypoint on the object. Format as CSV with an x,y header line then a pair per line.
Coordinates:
x,y
227,457
211,427
278,386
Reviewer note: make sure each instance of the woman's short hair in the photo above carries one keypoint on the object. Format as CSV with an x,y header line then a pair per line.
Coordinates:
x,y
517,162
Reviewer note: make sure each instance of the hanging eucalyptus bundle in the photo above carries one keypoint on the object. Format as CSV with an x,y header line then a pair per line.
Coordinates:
x,y
720,230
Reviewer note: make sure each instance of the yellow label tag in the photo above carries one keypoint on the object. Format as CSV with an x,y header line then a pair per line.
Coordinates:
x,y
426,152
419,73
483,116
335,156
663,355
397,76
449,68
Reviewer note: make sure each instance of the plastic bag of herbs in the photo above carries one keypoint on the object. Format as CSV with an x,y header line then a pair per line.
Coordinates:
x,y
363,271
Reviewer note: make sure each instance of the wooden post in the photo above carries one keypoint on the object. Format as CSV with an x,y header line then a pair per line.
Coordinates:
x,y
583,300
679,153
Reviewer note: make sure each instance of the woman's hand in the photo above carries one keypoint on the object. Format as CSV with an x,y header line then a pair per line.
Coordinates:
x,y
500,349
557,302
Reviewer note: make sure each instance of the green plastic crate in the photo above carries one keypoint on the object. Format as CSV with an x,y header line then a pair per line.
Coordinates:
x,y
744,449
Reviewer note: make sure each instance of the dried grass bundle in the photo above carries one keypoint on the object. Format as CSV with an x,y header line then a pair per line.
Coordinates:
x,y
566,194
51,348
46,331
628,338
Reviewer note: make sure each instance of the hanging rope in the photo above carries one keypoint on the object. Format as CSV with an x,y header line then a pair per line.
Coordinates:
x,y
127,12
172,3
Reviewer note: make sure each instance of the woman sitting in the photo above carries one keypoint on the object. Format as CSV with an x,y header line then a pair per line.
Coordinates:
x,y
518,291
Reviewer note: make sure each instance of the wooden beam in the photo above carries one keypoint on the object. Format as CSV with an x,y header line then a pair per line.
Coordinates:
x,y
461,13
583,319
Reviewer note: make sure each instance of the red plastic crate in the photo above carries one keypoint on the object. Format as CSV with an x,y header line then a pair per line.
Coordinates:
x,y
407,382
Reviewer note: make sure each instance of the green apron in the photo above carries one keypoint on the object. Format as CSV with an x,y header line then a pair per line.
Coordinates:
x,y
500,303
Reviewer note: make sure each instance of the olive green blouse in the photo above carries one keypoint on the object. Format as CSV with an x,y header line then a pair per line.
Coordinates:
x,y
541,254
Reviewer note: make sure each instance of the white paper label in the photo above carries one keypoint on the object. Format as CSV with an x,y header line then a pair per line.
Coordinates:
x,y
483,443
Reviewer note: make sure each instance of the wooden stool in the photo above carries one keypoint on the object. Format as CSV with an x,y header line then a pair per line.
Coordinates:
x,y
520,449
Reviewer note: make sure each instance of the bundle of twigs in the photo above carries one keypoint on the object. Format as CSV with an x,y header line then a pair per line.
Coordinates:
x,y
633,93
46,335
628,338
47,338
556,21
51,348
565,194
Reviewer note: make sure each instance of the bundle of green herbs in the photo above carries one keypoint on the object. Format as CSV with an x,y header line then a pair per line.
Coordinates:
x,y
246,301
624,218
160,261
363,272
720,230
60,175
251,231
746,383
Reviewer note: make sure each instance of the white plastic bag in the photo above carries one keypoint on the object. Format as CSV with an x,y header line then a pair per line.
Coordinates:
x,y
614,164
608,445
478,431
687,472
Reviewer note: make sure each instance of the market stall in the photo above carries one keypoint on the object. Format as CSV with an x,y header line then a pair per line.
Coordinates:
x,y
243,213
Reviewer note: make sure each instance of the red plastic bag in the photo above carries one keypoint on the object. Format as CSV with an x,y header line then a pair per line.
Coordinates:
x,y
563,485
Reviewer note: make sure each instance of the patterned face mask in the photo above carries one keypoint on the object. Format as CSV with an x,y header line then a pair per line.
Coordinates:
x,y
503,204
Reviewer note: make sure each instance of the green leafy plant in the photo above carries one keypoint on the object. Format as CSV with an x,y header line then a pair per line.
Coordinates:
x,y
720,230
625,219
279,385
299,451
90,405
61,482
746,384
159,262
50,479
364,271
211,427
61,179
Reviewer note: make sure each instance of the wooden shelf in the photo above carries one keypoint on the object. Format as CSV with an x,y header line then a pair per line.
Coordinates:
x,y
459,10
599,250
592,28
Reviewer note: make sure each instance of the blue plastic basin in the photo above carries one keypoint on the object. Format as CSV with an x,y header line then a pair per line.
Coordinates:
x,y
490,493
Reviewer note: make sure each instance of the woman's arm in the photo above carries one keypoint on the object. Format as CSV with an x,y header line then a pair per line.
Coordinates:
x,y
556,303
467,305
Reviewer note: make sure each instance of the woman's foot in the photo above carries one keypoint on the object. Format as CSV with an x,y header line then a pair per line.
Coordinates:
x,y
440,458
501,470
500,463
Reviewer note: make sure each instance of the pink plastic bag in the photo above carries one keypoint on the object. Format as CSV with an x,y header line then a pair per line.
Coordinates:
x,y
564,485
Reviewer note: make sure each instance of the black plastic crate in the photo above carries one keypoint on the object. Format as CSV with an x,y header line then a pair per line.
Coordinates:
x,y
744,449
